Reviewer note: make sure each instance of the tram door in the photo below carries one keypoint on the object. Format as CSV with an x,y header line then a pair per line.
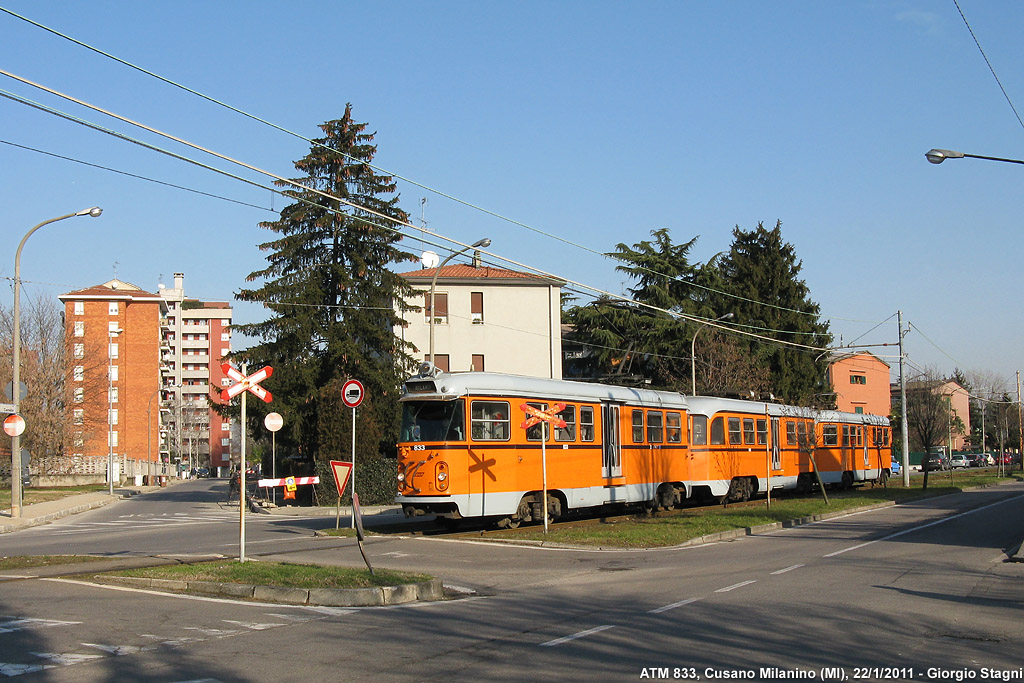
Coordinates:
x,y
776,447
611,446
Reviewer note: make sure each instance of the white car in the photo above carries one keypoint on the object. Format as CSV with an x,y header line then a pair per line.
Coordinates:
x,y
959,461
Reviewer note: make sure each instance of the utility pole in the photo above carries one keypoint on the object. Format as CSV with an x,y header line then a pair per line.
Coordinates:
x,y
1020,419
903,408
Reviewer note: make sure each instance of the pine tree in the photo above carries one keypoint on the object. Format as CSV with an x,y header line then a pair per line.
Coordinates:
x,y
332,298
762,273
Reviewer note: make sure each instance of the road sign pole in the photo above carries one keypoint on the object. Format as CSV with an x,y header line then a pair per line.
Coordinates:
x,y
241,484
353,468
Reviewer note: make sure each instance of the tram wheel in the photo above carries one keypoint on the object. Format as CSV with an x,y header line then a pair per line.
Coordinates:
x,y
847,483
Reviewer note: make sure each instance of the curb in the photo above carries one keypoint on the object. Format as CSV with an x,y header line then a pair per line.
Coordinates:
x,y
24,523
378,596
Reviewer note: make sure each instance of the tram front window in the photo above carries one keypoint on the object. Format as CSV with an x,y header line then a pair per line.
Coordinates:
x,y
433,421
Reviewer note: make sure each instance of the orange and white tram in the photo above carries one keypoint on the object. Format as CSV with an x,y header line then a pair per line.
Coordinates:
x,y
463,452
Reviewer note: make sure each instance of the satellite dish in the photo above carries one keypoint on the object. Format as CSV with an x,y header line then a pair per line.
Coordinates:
x,y
430,259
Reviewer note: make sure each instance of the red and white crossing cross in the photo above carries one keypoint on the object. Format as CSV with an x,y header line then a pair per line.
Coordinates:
x,y
537,415
250,383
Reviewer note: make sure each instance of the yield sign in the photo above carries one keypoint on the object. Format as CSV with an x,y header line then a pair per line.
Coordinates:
x,y
537,415
252,383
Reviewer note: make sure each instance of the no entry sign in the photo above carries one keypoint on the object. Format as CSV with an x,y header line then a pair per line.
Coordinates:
x,y
14,425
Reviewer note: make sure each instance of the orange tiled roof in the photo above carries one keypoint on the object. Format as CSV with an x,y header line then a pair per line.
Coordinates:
x,y
464,271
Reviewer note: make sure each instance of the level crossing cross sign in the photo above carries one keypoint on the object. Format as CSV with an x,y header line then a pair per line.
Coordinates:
x,y
537,415
250,383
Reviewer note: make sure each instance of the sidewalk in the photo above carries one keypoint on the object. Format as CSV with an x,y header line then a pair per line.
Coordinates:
x,y
41,513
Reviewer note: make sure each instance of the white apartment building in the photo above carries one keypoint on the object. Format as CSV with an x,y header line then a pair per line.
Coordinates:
x,y
487,319
196,339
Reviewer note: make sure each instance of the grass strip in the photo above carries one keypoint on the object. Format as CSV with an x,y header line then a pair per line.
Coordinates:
x,y
679,526
26,561
281,574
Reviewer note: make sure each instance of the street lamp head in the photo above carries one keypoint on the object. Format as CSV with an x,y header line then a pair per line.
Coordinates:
x,y
727,316
114,333
485,242
94,212
937,156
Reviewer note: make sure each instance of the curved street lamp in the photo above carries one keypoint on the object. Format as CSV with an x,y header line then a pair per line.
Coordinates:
x,y
16,361
485,242
693,346
937,156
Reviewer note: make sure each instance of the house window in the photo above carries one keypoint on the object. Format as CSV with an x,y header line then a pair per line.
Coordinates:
x,y
112,308
225,426
225,336
79,350
78,416
113,350
440,361
113,394
112,416
441,303
78,440
79,328
478,362
79,308
225,442
858,379
112,326
79,395
476,307
859,410
78,373
112,439
113,373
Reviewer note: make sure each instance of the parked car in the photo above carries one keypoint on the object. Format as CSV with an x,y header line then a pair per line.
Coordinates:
x,y
960,461
935,462
202,472
896,466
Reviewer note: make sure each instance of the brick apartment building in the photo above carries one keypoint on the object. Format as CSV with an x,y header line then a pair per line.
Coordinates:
x,y
113,335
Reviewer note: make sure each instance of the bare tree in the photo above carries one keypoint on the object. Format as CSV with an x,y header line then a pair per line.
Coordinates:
x,y
43,370
928,415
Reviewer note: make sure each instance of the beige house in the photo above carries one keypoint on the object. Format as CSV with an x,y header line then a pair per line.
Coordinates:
x,y
486,319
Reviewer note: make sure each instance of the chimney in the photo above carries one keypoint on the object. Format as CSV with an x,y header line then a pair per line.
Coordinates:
x,y
179,281
476,258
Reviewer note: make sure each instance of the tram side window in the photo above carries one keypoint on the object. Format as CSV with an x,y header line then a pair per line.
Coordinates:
x,y
568,432
718,431
762,432
490,421
801,433
735,433
638,426
699,430
885,436
791,433
860,435
587,423
534,433
846,435
830,435
748,430
673,428
655,419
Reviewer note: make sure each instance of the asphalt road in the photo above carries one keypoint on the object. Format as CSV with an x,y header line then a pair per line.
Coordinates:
x,y
914,592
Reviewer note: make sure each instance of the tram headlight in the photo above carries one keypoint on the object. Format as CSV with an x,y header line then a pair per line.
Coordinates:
x,y
401,477
441,476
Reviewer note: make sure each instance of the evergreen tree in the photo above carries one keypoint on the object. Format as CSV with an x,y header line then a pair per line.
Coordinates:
x,y
332,299
762,272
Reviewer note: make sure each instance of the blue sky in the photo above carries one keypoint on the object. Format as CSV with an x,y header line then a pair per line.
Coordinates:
x,y
594,121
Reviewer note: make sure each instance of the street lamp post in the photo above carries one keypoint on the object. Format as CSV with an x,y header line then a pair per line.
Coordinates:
x,y
149,432
112,334
485,242
16,361
693,348
937,156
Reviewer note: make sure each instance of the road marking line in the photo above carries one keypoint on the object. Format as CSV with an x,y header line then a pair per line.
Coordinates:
x,y
741,584
922,527
66,659
581,634
787,569
666,608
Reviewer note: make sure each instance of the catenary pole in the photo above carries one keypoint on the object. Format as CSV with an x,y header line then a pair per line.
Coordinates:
x,y
905,438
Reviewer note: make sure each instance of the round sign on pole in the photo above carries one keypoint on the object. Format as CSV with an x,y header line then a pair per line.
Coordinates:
x,y
273,421
352,393
14,425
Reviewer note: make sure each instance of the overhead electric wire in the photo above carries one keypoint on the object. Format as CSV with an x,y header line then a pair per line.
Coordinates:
x,y
710,323
453,198
990,67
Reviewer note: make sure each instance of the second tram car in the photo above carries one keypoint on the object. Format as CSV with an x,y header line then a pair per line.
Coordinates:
x,y
463,452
